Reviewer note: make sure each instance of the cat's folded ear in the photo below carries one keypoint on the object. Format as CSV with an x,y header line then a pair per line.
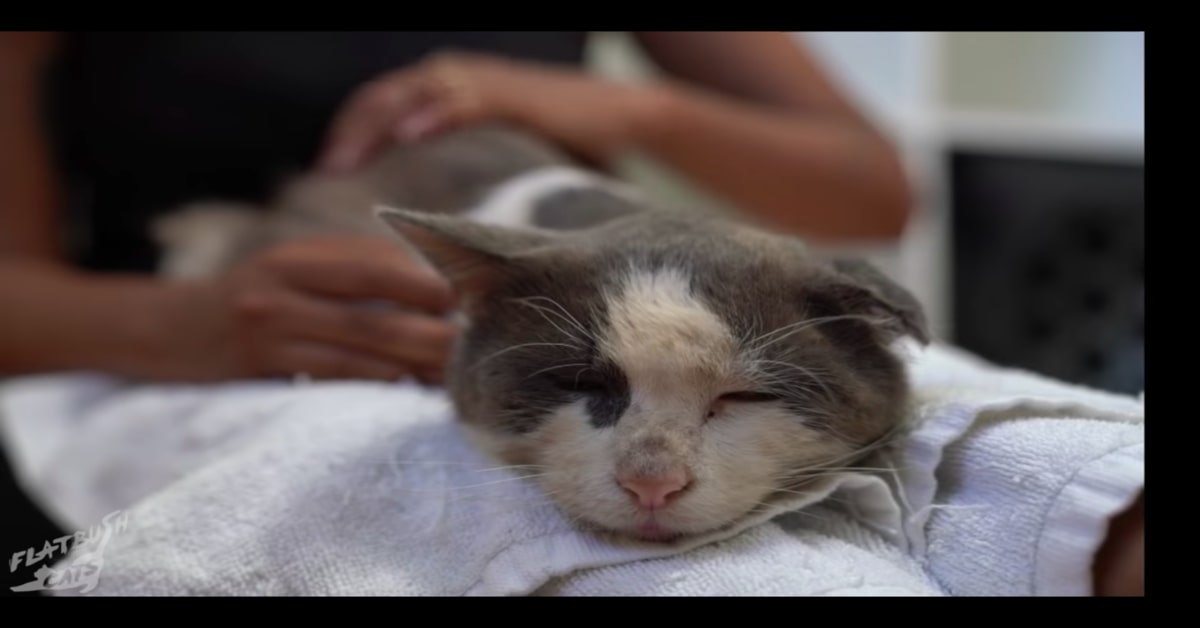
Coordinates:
x,y
860,288
473,256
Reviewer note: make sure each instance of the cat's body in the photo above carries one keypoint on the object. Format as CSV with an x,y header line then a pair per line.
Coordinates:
x,y
490,174
665,372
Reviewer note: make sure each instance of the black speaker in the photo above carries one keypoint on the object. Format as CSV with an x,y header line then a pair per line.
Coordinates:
x,y
1049,265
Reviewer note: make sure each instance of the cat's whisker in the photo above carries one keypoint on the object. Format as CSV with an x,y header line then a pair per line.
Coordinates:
x,y
449,489
553,368
518,466
828,468
526,345
454,463
959,506
753,342
561,312
857,454
881,442
789,330
832,470
801,512
545,316
812,322
533,500
809,386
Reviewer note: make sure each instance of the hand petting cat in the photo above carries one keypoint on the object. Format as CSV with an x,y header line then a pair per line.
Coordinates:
x,y
589,116
750,116
735,112
303,308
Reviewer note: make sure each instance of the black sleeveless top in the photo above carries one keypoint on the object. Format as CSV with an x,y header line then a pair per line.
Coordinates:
x,y
142,122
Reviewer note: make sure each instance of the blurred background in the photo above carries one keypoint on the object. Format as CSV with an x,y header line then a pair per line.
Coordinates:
x,y
1028,152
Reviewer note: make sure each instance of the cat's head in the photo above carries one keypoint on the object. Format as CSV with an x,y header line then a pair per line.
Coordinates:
x,y
667,376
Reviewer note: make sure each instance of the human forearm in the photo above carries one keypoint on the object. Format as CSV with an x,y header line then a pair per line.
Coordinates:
x,y
293,308
822,177
29,225
800,164
28,198
52,319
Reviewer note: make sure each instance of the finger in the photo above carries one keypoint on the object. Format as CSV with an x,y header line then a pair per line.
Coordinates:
x,y
410,339
366,121
453,101
419,124
329,362
367,269
356,131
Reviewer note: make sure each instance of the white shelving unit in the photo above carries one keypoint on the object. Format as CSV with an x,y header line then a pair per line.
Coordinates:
x,y
1074,94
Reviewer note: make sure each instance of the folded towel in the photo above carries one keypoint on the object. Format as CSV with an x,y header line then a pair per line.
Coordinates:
x,y
1002,487
1013,477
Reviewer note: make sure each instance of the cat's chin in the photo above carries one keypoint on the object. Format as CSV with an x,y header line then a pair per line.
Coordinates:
x,y
649,532
646,533
653,533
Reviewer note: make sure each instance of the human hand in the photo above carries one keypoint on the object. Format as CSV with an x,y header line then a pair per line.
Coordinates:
x,y
589,116
302,308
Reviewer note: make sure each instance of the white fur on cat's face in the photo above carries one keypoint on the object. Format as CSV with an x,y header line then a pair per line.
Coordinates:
x,y
679,359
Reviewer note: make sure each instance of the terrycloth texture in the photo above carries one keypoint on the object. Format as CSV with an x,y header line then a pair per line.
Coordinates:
x,y
1011,478
1004,487
817,551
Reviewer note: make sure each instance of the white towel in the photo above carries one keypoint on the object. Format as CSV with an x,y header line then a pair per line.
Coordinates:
x,y
369,489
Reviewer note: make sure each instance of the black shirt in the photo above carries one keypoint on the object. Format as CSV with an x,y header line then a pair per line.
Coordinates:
x,y
144,121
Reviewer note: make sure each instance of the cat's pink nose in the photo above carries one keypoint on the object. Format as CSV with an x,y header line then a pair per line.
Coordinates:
x,y
656,490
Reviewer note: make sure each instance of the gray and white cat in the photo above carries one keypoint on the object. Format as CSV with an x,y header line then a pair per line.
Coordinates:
x,y
667,372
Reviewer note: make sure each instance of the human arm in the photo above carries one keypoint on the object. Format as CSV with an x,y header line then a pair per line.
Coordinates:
x,y
49,319
29,204
746,115
286,311
756,120
289,310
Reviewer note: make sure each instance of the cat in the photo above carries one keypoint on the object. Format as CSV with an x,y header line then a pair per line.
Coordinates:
x,y
666,372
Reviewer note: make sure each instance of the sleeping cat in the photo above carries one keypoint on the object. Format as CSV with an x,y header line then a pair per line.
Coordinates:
x,y
667,372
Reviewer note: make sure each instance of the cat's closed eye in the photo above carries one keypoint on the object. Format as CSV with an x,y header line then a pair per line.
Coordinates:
x,y
583,384
748,396
740,397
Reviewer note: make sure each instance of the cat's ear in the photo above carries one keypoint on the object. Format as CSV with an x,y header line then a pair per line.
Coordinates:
x,y
473,256
858,287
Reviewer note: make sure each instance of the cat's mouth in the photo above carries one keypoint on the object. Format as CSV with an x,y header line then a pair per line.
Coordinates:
x,y
651,530
646,531
654,532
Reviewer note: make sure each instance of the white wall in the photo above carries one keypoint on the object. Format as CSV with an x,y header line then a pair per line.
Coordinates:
x,y
1094,79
